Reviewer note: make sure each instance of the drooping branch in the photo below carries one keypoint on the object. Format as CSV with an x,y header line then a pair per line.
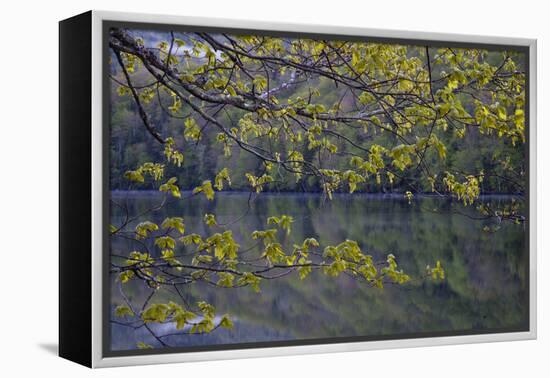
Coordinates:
x,y
142,113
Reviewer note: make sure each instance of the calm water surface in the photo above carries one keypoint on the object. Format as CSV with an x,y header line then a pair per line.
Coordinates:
x,y
485,289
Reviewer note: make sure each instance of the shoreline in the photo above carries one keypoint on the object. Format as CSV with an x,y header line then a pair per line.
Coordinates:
x,y
150,192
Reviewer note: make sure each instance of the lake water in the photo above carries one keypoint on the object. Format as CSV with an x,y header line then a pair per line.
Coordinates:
x,y
486,286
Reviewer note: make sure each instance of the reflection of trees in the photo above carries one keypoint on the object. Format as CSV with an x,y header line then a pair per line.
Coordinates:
x,y
343,308
388,117
213,261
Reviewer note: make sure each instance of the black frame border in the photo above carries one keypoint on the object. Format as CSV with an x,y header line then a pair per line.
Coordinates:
x,y
75,189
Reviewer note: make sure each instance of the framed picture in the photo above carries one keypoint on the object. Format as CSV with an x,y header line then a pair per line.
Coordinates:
x,y
233,189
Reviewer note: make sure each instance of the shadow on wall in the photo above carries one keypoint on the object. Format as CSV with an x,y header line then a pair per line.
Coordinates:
x,y
52,348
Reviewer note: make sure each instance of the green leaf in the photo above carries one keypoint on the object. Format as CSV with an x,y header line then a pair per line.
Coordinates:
x,y
172,155
260,82
170,186
126,276
273,252
135,176
501,112
222,176
205,259
441,149
183,317
225,279
210,219
249,279
231,91
191,239
157,312
192,130
305,268
268,236
207,309
165,242
123,310
205,188
225,322
145,228
224,245
258,183
285,222
437,272
175,223
336,267
142,345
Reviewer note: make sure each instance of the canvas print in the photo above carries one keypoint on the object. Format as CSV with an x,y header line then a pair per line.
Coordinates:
x,y
271,189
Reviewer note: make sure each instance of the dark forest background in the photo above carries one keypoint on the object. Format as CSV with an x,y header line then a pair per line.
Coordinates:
x,y
131,146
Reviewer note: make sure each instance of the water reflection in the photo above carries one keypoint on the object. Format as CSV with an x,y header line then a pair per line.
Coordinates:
x,y
485,288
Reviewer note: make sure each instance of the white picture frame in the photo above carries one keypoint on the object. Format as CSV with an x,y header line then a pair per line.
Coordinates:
x,y
98,359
